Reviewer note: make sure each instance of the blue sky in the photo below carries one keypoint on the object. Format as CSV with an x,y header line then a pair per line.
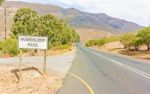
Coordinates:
x,y
131,10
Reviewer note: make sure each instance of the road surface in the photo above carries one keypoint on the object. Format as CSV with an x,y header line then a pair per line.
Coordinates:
x,y
97,72
60,63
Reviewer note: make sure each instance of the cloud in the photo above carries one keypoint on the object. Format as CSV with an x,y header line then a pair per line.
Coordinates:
x,y
131,10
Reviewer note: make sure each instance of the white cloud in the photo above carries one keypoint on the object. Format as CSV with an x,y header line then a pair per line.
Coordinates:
x,y
131,10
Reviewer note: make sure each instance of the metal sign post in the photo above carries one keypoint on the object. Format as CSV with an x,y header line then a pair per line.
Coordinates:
x,y
44,64
20,65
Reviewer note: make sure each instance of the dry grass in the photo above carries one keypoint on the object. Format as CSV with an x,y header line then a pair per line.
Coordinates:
x,y
50,52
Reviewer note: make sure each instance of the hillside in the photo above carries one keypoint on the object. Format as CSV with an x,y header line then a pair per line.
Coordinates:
x,y
78,19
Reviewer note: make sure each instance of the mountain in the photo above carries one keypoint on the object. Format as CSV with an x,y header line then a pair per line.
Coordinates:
x,y
82,21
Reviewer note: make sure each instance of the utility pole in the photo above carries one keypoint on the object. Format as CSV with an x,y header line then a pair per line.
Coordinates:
x,y
5,17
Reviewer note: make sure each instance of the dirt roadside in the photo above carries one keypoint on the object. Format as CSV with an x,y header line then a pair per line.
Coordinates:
x,y
33,82
118,48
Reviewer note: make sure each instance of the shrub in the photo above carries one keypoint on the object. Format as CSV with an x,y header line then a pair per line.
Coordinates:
x,y
9,46
131,40
144,34
127,39
101,42
61,47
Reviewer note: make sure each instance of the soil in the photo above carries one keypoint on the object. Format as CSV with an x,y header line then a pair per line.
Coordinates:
x,y
118,48
32,81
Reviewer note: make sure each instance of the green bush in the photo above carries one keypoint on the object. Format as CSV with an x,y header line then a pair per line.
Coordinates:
x,y
1,1
9,46
127,39
131,40
61,47
101,42
144,34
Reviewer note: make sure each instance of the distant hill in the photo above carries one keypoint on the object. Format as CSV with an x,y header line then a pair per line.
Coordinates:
x,y
78,19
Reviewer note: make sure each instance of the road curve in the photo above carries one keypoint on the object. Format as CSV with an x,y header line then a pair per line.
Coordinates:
x,y
60,63
106,73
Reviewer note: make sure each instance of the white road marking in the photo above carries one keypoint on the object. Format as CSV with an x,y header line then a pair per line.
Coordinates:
x,y
143,74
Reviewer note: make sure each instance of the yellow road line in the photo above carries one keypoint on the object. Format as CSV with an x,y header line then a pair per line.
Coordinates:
x,y
85,83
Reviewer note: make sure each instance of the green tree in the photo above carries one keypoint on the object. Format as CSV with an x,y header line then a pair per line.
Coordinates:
x,y
126,40
131,40
144,34
1,1
136,42
25,22
57,30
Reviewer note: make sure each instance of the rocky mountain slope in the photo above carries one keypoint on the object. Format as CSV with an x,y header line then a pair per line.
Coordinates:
x,y
78,19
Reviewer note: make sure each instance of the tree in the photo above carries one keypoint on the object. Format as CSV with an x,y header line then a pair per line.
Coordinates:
x,y
136,42
1,1
25,22
57,30
126,40
131,40
144,34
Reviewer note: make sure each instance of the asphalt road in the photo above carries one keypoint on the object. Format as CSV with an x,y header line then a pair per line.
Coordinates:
x,y
97,72
60,63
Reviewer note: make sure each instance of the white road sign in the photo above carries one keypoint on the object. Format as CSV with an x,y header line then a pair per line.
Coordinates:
x,y
33,42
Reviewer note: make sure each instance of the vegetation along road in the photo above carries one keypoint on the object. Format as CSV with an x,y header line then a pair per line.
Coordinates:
x,y
94,72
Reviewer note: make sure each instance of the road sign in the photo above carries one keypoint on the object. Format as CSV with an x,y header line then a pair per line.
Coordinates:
x,y
33,42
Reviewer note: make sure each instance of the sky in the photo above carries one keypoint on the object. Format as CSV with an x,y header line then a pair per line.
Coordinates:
x,y
137,11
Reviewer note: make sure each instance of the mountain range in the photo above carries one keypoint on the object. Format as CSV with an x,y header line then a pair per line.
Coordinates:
x,y
98,24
